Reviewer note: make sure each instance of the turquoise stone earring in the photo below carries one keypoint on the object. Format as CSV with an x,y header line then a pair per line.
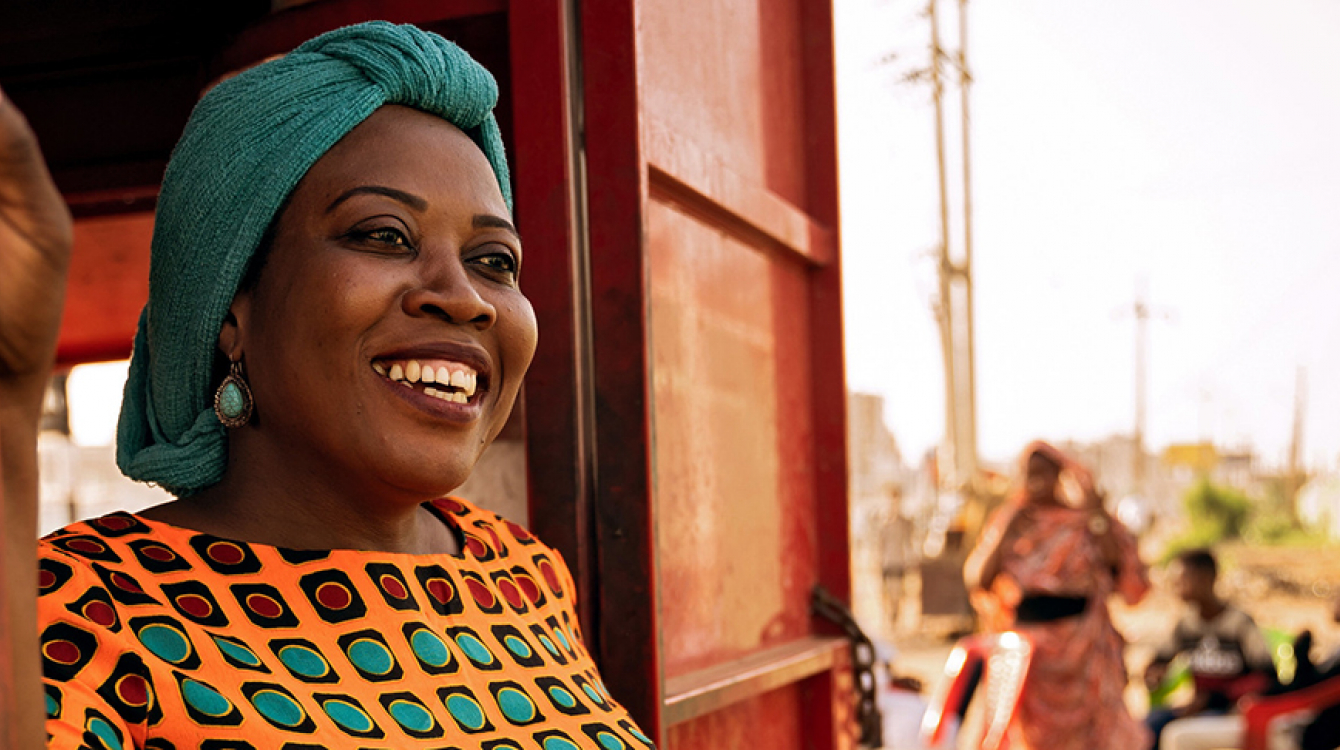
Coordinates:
x,y
232,401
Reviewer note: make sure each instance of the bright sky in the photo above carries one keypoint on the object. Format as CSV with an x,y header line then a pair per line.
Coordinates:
x,y
1190,146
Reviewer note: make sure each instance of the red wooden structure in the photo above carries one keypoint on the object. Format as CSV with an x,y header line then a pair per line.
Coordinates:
x,y
676,182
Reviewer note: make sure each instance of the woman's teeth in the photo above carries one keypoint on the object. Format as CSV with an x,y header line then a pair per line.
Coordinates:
x,y
457,382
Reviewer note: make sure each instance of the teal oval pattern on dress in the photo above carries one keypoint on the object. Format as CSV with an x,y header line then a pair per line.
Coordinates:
x,y
592,694
465,710
165,642
640,735
548,645
239,653
105,732
411,716
516,705
558,743
204,698
473,648
305,661
347,715
431,649
562,697
53,707
518,647
610,741
370,656
278,708
563,639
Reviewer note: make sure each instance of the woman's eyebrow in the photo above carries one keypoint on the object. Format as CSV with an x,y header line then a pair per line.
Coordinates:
x,y
409,199
489,221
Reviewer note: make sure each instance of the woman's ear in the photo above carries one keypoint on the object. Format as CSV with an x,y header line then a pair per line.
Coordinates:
x,y
232,333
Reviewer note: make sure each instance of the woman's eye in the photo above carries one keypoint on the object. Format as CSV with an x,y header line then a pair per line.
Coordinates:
x,y
383,236
500,262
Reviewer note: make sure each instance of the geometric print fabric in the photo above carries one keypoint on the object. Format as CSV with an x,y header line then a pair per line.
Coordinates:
x,y
164,638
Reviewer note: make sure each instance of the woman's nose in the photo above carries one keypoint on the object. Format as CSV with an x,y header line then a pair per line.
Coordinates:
x,y
449,293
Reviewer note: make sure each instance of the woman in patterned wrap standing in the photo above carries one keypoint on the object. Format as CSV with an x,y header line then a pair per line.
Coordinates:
x,y
335,332
1045,566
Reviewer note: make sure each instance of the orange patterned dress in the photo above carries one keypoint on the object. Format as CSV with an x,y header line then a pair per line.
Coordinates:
x,y
159,637
1072,699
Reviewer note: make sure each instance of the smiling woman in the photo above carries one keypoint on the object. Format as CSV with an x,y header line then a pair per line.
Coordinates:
x,y
334,335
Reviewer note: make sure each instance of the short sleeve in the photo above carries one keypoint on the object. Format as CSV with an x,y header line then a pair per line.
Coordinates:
x,y
98,692
1172,644
1256,650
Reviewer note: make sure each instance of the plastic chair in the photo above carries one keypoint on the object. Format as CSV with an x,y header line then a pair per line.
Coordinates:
x,y
997,663
1269,719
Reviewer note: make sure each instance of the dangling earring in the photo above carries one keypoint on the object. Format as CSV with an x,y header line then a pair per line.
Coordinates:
x,y
232,401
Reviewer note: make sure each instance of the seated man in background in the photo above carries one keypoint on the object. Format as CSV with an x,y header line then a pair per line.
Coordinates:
x,y
1226,652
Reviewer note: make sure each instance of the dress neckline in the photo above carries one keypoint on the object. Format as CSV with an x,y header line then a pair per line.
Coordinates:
x,y
448,510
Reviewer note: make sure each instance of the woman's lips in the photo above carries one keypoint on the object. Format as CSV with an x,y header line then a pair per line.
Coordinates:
x,y
452,406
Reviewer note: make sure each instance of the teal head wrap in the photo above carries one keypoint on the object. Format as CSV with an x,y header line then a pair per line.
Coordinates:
x,y
247,144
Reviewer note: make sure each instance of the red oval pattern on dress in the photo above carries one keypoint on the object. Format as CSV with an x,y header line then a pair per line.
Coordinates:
x,y
511,593
333,595
529,587
114,523
225,553
450,505
550,576
482,594
86,545
518,532
61,651
195,605
392,585
100,613
125,584
497,542
441,589
264,606
158,552
476,546
133,690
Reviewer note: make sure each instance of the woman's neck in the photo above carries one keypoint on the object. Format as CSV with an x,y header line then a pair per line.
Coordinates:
x,y
292,514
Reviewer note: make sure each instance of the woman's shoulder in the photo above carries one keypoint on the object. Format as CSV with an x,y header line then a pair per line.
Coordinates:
x,y
505,546
98,545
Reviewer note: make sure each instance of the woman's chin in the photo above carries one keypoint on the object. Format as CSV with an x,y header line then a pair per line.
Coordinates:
x,y
427,477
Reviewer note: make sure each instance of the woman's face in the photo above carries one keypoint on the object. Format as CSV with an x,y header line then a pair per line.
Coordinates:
x,y
386,339
1040,480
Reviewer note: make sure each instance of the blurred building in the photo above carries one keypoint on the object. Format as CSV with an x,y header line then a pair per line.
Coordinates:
x,y
1319,505
880,533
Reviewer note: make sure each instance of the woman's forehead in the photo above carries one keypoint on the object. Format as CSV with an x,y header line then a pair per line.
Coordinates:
x,y
406,149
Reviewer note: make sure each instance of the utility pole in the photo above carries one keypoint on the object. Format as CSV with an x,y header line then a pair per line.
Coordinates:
x,y
954,309
1295,479
944,306
1142,312
969,384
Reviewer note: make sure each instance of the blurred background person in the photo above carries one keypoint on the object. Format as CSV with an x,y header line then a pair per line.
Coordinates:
x,y
1044,566
1227,654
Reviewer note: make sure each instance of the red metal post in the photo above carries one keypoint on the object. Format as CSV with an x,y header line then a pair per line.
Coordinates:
x,y
616,199
558,459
